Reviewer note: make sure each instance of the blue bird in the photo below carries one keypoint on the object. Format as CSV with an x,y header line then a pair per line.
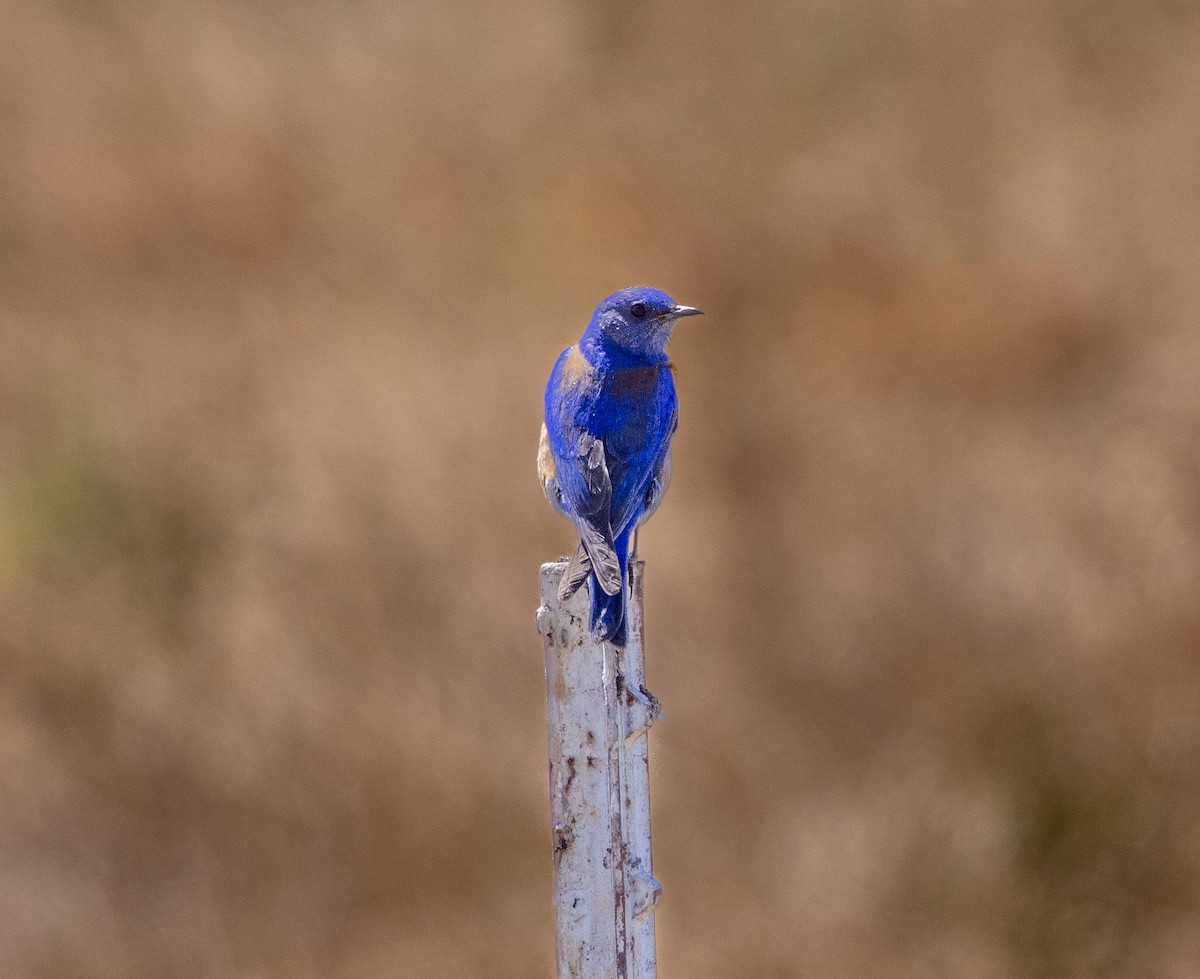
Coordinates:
x,y
604,458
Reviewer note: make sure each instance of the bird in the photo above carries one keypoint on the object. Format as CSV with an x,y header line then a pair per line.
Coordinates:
x,y
604,456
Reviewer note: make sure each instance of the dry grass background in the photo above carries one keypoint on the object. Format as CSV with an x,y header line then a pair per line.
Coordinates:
x,y
280,285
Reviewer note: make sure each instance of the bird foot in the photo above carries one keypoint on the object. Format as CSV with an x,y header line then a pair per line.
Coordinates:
x,y
642,709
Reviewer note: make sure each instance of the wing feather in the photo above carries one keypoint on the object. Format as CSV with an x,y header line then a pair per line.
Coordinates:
x,y
591,514
576,574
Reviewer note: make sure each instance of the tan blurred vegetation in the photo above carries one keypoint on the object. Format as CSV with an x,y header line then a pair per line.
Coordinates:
x,y
280,285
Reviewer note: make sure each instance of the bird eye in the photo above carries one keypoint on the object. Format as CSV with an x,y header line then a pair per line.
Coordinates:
x,y
638,309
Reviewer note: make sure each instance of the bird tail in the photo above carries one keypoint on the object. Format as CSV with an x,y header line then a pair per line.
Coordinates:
x,y
608,611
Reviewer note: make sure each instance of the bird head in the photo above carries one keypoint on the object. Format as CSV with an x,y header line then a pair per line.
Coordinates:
x,y
640,320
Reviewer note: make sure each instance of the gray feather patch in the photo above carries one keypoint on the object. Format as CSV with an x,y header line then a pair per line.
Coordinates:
x,y
595,531
575,575
602,555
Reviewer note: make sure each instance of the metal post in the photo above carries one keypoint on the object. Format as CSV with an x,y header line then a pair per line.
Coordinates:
x,y
598,713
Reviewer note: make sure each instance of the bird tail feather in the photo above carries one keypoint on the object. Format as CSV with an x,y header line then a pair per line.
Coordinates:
x,y
608,611
578,571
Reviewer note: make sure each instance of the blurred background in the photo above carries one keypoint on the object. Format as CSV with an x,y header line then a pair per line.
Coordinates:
x,y
280,284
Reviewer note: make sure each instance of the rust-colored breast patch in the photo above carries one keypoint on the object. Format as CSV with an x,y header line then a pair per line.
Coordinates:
x,y
636,382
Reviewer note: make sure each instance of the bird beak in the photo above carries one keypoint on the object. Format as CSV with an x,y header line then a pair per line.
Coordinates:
x,y
681,311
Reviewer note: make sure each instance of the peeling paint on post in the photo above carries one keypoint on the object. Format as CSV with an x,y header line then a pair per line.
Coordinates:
x,y
598,713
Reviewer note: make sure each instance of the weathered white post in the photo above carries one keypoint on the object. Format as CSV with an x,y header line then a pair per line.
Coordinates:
x,y
598,713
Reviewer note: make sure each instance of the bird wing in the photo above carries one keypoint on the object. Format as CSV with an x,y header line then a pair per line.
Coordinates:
x,y
587,491
578,569
580,462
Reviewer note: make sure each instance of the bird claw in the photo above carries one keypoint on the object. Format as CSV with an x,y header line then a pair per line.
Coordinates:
x,y
641,711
